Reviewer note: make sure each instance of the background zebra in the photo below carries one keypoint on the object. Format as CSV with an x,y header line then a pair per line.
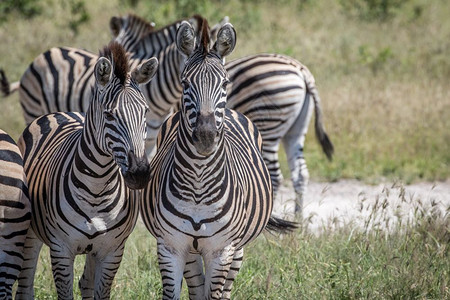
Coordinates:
x,y
210,192
80,171
14,213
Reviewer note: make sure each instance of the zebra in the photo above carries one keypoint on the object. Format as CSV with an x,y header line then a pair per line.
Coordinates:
x,y
210,192
15,213
82,170
276,92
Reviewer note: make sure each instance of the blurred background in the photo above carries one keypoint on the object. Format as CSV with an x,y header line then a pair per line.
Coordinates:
x,y
382,68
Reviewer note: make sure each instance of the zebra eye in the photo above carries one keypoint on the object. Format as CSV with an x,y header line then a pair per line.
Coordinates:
x,y
225,83
185,83
108,115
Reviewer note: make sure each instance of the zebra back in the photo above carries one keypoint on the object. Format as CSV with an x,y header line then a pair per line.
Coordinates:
x,y
60,79
14,213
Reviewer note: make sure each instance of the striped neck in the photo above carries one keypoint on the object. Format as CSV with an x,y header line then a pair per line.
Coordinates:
x,y
202,172
98,168
164,92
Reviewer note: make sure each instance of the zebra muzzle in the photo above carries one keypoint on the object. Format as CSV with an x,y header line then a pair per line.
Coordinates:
x,y
205,134
138,173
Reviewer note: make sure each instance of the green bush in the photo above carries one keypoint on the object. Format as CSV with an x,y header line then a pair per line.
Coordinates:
x,y
25,8
372,9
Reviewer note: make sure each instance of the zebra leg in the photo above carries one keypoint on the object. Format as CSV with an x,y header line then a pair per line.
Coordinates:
x,y
293,142
62,267
105,271
193,274
217,267
232,273
270,155
31,250
171,266
86,282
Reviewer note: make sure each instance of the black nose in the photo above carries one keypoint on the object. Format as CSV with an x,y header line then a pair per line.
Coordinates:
x,y
205,133
138,174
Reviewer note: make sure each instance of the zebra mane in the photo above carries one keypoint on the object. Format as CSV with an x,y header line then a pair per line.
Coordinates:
x,y
203,33
119,59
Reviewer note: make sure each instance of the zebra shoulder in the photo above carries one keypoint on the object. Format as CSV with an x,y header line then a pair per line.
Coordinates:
x,y
45,127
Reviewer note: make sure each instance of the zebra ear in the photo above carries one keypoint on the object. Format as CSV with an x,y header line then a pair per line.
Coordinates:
x,y
143,73
185,38
103,71
216,27
115,25
226,40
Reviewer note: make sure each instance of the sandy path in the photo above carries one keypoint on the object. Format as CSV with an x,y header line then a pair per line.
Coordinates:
x,y
352,200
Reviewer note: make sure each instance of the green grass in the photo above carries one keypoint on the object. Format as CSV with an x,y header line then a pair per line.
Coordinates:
x,y
360,259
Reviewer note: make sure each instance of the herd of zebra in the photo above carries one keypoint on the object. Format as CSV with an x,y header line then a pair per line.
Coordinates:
x,y
159,125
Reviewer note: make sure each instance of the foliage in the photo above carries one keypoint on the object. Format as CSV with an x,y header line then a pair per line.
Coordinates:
x,y
371,10
26,8
78,15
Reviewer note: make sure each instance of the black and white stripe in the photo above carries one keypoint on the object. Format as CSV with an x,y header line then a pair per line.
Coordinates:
x,y
210,192
82,171
15,213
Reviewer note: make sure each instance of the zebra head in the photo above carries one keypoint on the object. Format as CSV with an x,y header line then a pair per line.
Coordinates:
x,y
120,109
204,81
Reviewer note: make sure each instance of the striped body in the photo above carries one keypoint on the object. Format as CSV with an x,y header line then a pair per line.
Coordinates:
x,y
14,213
70,217
81,170
210,192
202,208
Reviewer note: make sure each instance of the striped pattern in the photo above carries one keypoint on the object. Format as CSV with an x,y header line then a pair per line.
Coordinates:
x,y
60,79
128,30
80,171
210,192
14,213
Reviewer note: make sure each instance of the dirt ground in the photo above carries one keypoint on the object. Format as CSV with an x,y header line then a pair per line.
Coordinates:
x,y
335,204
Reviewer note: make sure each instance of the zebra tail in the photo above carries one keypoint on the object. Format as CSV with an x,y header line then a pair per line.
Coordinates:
x,y
5,87
321,135
278,225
